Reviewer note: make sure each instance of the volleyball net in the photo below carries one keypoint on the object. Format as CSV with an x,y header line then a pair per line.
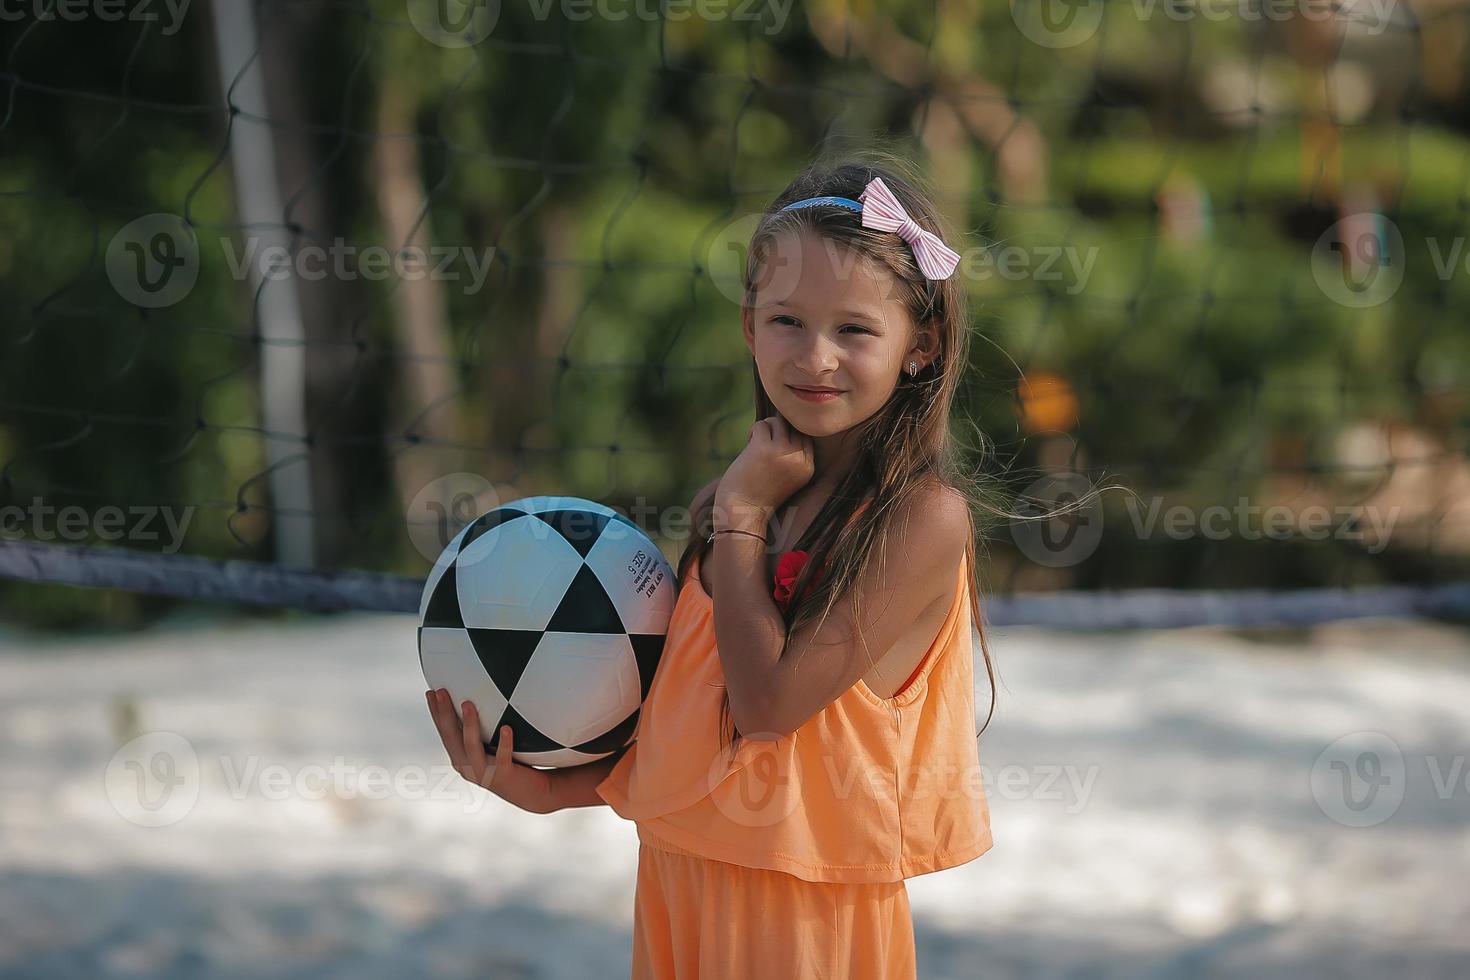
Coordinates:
x,y
294,290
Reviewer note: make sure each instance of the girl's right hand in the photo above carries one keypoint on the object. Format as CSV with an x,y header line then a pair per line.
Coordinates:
x,y
523,786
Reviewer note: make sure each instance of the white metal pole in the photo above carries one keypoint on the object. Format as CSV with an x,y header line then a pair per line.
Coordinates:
x,y
283,355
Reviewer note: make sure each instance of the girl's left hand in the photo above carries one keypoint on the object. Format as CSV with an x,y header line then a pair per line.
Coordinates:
x,y
523,786
777,461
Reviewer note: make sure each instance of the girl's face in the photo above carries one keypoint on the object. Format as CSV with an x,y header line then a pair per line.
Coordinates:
x,y
826,317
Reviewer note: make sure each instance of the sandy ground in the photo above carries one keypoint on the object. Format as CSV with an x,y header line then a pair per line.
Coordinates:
x,y
1165,804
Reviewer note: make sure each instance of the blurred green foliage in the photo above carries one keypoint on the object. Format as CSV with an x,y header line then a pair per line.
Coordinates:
x,y
602,159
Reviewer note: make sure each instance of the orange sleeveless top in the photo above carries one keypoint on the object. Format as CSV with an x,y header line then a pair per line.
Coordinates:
x,y
867,790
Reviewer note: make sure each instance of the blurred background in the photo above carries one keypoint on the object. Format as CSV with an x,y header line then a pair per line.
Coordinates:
x,y
292,290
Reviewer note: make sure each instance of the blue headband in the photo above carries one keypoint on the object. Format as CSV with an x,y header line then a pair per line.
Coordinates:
x,y
881,210
842,202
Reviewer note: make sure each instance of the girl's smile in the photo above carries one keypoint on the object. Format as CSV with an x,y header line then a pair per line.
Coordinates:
x,y
808,395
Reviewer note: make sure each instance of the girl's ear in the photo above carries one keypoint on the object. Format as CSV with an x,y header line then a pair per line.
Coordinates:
x,y
926,340
747,327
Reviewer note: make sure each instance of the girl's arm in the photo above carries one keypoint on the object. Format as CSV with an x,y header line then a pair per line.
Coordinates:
x,y
577,786
749,629
775,685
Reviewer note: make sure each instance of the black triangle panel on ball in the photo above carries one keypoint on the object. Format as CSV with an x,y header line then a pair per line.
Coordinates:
x,y
504,654
443,610
648,649
585,608
579,528
487,522
527,737
611,740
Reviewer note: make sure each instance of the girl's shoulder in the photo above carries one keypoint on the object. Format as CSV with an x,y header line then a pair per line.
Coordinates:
x,y
930,491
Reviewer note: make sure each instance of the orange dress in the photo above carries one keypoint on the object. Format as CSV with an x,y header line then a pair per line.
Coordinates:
x,y
788,858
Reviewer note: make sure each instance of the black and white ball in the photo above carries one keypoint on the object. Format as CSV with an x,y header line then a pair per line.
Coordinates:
x,y
549,613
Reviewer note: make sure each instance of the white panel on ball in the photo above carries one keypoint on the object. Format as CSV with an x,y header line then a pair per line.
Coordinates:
x,y
578,685
513,575
637,577
550,502
558,758
449,661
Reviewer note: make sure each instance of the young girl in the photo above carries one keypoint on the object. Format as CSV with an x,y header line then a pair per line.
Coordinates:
x,y
808,740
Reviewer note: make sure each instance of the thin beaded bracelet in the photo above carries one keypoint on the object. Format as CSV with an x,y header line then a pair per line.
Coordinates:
x,y
732,530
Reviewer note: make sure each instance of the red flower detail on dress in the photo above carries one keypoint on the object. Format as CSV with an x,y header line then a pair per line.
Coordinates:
x,y
788,567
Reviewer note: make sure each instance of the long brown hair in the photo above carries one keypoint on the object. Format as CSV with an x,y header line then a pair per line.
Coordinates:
x,y
906,444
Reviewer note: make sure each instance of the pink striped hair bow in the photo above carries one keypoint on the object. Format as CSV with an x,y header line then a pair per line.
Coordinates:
x,y
882,211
